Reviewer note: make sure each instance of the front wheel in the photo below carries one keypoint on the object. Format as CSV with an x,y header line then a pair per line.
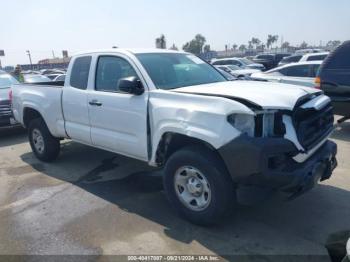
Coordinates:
x,y
198,185
45,147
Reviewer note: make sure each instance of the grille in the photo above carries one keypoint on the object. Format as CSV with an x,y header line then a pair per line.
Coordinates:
x,y
313,125
5,108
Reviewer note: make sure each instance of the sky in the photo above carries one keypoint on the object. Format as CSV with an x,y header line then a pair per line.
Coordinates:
x,y
43,26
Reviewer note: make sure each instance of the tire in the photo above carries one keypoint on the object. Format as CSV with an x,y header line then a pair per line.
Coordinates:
x,y
205,163
45,147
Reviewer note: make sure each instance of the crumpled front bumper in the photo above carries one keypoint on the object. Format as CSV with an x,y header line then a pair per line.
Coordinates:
x,y
269,163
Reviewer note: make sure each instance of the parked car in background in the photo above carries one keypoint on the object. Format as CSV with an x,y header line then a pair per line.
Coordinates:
x,y
238,72
31,72
303,73
303,58
243,63
290,59
308,50
52,71
36,79
269,60
54,76
334,79
60,78
172,110
314,57
6,81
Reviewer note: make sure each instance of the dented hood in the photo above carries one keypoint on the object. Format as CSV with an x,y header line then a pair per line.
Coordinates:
x,y
267,95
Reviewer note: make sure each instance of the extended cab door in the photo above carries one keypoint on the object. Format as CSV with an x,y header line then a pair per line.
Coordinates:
x,y
74,100
118,120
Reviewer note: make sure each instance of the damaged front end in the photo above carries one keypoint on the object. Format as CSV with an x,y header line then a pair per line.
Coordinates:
x,y
284,150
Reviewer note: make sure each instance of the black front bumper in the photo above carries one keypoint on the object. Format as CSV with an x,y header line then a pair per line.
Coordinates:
x,y
269,163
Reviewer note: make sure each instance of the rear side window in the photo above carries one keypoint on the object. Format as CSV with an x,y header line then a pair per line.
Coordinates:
x,y
296,71
80,72
316,57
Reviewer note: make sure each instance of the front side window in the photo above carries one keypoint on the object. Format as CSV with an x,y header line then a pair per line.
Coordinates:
x,y
80,72
296,71
110,69
175,70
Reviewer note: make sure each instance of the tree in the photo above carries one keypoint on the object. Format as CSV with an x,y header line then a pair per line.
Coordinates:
x,y
206,48
285,45
303,45
242,48
250,45
260,48
333,44
174,47
234,47
161,42
255,41
271,39
195,46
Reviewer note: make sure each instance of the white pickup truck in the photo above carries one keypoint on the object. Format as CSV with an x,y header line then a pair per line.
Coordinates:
x,y
173,110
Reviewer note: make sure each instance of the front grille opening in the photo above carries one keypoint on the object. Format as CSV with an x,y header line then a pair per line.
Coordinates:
x,y
313,125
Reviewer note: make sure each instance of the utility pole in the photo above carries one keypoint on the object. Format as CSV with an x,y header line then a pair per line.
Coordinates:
x,y
30,59
53,54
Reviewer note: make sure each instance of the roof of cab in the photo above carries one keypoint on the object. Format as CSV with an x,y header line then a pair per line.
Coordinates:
x,y
129,50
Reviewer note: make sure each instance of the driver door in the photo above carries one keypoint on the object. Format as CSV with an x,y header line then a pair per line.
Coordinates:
x,y
118,120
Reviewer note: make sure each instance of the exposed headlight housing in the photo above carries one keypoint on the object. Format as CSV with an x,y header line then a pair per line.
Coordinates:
x,y
263,124
243,122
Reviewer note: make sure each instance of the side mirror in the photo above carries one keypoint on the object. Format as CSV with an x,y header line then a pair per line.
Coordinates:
x,y
131,85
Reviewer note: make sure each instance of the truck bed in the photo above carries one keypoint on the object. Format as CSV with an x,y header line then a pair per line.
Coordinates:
x,y
48,96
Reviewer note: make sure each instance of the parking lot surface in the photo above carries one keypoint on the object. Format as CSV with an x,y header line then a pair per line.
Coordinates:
x,y
94,202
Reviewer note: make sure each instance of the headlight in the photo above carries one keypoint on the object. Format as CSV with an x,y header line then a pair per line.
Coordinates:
x,y
243,122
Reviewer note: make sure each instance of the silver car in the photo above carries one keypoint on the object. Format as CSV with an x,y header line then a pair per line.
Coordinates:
x,y
303,73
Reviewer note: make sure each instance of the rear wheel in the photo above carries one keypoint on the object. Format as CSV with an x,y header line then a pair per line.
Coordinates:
x,y
198,185
43,144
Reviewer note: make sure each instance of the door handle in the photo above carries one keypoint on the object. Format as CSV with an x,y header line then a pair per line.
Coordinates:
x,y
95,103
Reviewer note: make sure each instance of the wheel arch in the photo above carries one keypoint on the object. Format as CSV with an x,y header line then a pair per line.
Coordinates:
x,y
170,142
30,114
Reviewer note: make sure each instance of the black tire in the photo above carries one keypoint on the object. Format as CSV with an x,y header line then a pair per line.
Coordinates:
x,y
211,166
51,147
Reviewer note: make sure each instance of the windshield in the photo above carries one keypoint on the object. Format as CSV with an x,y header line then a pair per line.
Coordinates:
x,y
7,80
174,70
246,61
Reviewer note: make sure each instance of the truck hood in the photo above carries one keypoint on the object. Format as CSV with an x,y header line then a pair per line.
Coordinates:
x,y
266,95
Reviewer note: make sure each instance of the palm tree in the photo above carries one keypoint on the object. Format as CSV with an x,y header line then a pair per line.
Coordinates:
x,y
255,41
270,40
242,48
161,42
234,47
250,45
